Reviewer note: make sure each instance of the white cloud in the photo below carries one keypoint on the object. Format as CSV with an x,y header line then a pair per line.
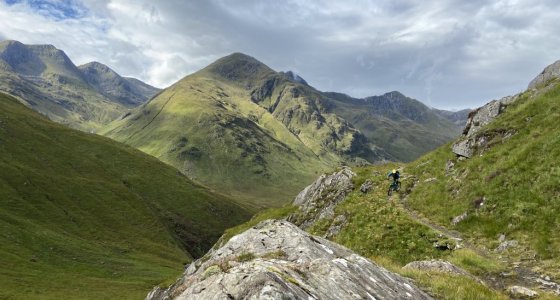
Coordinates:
x,y
448,53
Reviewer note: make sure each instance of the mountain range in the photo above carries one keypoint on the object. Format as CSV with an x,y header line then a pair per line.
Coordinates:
x,y
240,126
84,97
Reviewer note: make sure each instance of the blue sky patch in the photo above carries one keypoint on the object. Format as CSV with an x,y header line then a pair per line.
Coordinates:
x,y
56,9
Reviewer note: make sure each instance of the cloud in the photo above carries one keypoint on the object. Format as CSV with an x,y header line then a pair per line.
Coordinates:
x,y
447,53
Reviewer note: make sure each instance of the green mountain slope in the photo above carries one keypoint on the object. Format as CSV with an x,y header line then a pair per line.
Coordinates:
x,y
46,80
239,126
82,216
405,128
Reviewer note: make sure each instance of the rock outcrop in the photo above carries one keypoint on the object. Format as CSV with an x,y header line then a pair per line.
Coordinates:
x,y
318,200
477,119
278,260
549,73
436,266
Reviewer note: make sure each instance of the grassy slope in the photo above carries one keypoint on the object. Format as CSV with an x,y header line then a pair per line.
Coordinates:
x,y
84,217
518,177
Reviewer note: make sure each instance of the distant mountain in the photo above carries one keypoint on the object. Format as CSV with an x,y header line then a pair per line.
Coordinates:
x,y
220,127
109,218
404,127
239,126
45,79
126,91
459,117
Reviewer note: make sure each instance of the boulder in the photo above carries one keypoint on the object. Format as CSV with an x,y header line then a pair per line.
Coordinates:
x,y
436,266
522,292
318,200
278,260
506,245
366,186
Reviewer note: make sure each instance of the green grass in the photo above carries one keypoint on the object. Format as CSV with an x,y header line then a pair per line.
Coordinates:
x,y
82,216
518,177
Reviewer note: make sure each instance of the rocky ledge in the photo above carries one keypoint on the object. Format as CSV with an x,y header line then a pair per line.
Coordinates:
x,y
278,260
318,200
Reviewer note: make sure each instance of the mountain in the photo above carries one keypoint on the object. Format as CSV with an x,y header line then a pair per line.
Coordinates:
x,y
45,79
129,92
403,127
239,126
457,117
84,217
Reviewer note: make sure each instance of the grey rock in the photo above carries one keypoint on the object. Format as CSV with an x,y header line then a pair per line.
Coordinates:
x,y
338,223
550,72
477,119
449,165
436,266
502,238
366,186
318,200
286,263
456,220
519,291
506,245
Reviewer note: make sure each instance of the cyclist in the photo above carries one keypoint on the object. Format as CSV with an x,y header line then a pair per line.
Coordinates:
x,y
396,175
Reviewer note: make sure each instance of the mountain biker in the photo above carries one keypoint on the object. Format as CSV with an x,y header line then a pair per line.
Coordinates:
x,y
396,175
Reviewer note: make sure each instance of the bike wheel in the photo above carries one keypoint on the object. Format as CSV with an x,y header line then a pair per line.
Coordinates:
x,y
389,192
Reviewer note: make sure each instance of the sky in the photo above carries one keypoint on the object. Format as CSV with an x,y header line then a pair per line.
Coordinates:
x,y
449,54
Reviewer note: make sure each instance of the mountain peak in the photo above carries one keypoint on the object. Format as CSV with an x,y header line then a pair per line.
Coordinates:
x,y
238,67
394,95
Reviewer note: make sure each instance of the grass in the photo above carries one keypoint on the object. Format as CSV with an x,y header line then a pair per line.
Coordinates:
x,y
517,176
82,216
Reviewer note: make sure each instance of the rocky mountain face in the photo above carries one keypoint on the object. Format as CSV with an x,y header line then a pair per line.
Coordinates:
x,y
129,92
277,260
400,126
46,80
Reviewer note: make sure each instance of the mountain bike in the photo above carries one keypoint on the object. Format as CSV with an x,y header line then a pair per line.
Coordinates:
x,y
395,186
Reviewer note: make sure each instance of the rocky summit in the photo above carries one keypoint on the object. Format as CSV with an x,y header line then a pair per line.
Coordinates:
x,y
278,260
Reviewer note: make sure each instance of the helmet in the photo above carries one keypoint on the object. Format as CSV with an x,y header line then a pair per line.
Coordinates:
x,y
394,171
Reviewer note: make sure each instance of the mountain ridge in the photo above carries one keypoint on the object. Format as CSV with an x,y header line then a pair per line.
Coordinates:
x,y
44,78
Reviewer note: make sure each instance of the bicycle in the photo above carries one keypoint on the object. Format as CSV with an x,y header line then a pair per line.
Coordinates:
x,y
395,186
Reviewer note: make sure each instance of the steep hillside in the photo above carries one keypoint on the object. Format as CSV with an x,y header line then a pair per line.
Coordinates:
x,y
509,187
46,80
239,126
82,216
405,128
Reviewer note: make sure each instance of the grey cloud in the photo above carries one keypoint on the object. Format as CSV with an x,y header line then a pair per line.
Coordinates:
x,y
448,54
